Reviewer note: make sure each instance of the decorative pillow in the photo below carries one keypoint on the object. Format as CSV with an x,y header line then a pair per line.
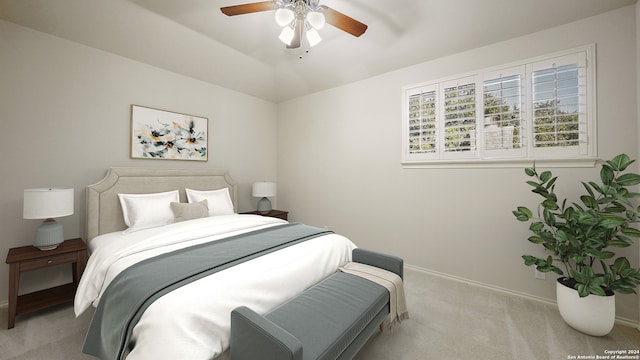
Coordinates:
x,y
219,201
183,212
142,211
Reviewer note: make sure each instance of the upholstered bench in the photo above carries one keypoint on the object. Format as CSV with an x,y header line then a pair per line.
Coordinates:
x,y
331,320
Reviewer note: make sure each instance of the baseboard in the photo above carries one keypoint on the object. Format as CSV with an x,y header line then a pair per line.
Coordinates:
x,y
619,320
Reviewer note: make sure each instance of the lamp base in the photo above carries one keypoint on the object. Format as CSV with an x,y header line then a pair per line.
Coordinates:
x,y
264,205
48,235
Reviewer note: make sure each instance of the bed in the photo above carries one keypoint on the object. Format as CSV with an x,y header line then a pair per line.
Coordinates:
x,y
192,321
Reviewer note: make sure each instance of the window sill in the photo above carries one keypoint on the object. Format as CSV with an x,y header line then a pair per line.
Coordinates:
x,y
502,163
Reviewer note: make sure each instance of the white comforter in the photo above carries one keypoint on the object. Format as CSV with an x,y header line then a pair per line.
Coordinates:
x,y
193,321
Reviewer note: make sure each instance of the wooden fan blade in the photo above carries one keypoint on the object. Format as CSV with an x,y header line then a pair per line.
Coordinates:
x,y
249,8
343,22
297,35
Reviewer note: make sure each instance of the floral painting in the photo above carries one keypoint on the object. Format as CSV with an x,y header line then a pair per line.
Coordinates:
x,y
159,134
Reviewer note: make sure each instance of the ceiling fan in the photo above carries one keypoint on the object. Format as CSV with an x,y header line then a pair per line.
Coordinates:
x,y
300,16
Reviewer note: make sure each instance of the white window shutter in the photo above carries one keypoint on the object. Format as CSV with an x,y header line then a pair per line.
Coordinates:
x,y
558,106
459,104
503,127
421,126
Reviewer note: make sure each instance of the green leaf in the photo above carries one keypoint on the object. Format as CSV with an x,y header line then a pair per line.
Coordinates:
x,y
536,227
631,232
583,290
612,223
606,174
607,254
533,183
545,176
620,265
562,235
551,182
536,239
596,187
620,162
529,260
525,211
632,195
588,188
577,275
549,260
530,171
540,190
628,179
589,201
594,253
597,289
520,216
549,217
550,204
616,208
568,213
579,259
587,219
617,243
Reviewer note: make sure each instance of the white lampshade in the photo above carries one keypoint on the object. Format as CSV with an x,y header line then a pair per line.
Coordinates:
x,y
284,16
313,37
286,36
263,189
47,203
316,19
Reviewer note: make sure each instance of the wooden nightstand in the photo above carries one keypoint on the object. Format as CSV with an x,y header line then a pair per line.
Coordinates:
x,y
273,213
27,258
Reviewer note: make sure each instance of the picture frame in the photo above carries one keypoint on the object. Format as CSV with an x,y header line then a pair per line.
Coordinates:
x,y
168,135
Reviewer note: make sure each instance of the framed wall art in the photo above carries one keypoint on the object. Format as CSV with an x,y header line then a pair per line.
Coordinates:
x,y
160,134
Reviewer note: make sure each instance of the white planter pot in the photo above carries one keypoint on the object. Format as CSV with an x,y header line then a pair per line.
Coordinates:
x,y
593,315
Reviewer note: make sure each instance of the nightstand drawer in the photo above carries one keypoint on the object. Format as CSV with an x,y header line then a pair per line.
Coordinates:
x,y
48,261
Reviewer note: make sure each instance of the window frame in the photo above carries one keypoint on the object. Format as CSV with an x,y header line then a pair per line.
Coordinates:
x,y
584,156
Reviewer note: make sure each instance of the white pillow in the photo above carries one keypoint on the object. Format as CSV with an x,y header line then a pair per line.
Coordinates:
x,y
142,211
219,201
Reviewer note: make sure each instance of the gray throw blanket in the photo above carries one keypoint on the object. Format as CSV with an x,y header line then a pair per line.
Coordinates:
x,y
137,287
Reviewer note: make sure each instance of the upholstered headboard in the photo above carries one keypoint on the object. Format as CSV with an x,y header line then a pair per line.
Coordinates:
x,y
104,213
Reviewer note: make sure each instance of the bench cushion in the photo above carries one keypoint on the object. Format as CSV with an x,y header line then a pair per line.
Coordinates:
x,y
329,316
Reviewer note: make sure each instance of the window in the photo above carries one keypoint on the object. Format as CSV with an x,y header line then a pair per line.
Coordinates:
x,y
459,115
541,108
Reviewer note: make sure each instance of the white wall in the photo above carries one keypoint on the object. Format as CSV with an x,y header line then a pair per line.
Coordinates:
x,y
65,119
339,164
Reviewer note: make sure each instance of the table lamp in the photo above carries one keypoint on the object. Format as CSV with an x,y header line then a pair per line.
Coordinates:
x,y
47,204
263,190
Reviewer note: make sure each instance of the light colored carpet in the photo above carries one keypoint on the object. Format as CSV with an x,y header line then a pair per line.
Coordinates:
x,y
448,320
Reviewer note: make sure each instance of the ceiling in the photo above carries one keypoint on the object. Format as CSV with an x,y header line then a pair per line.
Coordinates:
x,y
243,53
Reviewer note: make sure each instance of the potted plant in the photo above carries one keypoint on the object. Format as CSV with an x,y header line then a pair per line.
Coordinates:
x,y
580,238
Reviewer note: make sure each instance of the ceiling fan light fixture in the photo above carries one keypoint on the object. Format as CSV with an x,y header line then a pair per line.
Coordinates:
x,y
286,35
316,19
300,17
284,16
313,37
